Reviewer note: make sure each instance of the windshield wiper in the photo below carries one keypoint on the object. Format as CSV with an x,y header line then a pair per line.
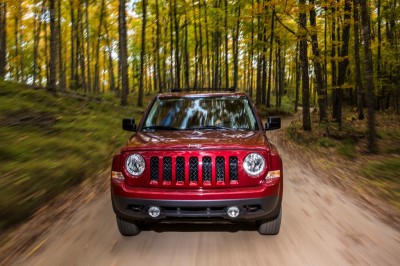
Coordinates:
x,y
159,127
207,127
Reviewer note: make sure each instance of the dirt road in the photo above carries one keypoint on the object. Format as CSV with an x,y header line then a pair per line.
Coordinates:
x,y
320,226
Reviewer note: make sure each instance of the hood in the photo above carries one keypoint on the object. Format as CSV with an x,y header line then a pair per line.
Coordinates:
x,y
198,140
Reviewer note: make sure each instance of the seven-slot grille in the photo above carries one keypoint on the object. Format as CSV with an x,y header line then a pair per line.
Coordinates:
x,y
187,169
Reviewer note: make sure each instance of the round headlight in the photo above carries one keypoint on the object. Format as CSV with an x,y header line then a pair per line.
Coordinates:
x,y
135,164
254,164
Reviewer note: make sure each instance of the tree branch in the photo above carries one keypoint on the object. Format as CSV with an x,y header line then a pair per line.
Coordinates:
x,y
286,27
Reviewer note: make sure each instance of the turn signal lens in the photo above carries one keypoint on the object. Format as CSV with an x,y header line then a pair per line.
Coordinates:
x,y
117,176
273,175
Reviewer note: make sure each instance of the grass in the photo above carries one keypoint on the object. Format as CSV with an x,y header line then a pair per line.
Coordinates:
x,y
51,143
347,148
385,174
346,151
384,170
286,108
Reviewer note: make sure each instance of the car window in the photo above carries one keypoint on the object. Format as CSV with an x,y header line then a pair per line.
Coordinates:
x,y
203,113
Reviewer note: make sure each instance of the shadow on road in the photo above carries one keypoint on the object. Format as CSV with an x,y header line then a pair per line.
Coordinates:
x,y
198,227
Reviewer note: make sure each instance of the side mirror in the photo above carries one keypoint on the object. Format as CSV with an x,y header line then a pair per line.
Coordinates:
x,y
273,122
128,124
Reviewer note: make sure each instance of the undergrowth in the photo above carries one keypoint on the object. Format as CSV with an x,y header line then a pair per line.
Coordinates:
x,y
286,108
346,149
51,143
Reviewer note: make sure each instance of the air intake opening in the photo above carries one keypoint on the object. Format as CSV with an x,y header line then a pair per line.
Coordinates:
x,y
252,208
136,208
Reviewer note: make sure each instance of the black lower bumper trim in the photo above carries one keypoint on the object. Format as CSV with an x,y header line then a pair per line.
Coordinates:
x,y
250,209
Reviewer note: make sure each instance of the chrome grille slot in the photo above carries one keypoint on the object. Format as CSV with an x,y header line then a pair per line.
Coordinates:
x,y
233,168
220,171
207,169
193,169
180,169
154,168
167,169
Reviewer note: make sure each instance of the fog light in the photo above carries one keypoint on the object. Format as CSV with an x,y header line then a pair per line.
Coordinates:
x,y
154,211
233,212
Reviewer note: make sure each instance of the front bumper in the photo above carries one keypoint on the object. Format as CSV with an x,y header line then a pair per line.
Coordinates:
x,y
255,209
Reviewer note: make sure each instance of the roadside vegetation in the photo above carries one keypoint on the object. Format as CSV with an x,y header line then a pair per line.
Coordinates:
x,y
286,108
51,143
343,157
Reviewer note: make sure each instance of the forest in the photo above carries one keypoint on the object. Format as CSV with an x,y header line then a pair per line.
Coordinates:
x,y
71,69
330,55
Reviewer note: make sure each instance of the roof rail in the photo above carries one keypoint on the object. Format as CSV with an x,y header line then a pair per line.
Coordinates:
x,y
232,89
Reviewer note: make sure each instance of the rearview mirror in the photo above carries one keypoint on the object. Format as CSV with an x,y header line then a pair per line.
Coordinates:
x,y
128,124
273,122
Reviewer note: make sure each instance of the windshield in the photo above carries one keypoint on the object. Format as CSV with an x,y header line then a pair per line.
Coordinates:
x,y
201,113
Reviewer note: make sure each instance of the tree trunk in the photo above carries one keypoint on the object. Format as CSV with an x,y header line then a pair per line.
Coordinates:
x,y
46,54
326,53
164,56
258,79
196,47
61,64
304,67
207,46
21,56
333,60
153,57
259,58
271,45
369,77
357,60
3,39
37,28
123,53
53,48
157,53
344,62
110,59
72,83
89,75
177,50
236,49
200,61
226,44
81,51
216,44
96,84
298,78
142,52
171,45
317,65
251,70
381,92
17,43
264,59
186,53
282,77
277,51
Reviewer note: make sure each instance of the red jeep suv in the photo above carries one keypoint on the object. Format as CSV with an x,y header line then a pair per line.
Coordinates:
x,y
198,156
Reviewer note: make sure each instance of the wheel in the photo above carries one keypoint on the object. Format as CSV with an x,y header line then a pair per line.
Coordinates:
x,y
271,227
127,228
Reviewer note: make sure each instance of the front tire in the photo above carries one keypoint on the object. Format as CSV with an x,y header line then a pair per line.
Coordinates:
x,y
271,227
127,228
